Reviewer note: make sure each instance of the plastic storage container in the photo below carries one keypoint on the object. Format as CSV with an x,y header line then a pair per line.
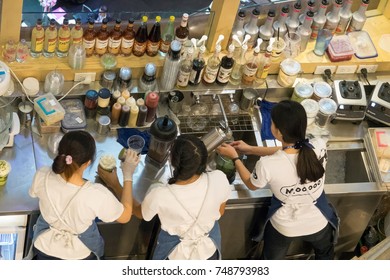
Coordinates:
x,y
321,90
289,70
311,107
362,44
74,118
340,49
49,109
301,92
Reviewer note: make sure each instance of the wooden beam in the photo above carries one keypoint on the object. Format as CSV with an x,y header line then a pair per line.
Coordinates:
x,y
386,10
224,14
10,20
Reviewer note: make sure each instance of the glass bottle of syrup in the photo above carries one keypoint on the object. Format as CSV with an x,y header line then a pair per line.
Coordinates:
x,y
154,38
333,17
182,31
359,17
37,38
76,33
319,19
345,17
102,36
167,36
198,65
141,38
63,40
128,39
115,38
89,38
226,67
185,69
50,42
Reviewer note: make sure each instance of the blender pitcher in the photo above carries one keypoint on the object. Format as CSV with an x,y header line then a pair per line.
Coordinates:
x,y
163,132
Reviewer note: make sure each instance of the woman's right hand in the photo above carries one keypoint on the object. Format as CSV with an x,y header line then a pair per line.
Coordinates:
x,y
129,165
241,147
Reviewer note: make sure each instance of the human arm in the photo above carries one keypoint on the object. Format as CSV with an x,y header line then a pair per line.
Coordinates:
x,y
111,180
222,209
128,167
246,149
137,210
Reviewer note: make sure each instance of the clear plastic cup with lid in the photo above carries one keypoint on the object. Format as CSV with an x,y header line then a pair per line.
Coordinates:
x,y
288,72
311,107
327,109
302,91
321,90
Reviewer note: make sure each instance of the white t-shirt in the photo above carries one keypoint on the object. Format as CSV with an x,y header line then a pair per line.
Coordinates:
x,y
176,221
93,200
299,215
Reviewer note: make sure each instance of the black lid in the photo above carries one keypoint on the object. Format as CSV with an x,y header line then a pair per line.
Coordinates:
x,y
285,9
131,20
105,21
118,21
164,128
52,21
325,2
271,13
78,20
39,21
91,21
298,5
65,22
241,13
256,12
310,14
340,2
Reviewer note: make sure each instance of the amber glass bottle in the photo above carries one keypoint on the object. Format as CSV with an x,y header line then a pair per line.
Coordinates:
x,y
154,38
115,38
141,38
167,36
37,38
182,31
89,38
128,39
102,39
76,34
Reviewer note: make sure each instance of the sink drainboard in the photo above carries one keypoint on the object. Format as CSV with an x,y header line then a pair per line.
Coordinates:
x,y
237,123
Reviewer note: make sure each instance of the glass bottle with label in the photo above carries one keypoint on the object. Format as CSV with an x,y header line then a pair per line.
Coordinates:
x,y
22,51
238,26
171,67
319,19
141,38
102,35
263,69
37,38
167,36
359,17
115,38
304,30
128,39
63,40
292,21
252,29
154,38
198,65
280,24
236,75
89,38
345,17
76,33
182,32
333,17
250,68
185,69
311,5
266,31
50,43
226,67
213,64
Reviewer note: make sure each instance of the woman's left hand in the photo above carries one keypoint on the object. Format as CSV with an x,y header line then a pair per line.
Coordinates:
x,y
227,150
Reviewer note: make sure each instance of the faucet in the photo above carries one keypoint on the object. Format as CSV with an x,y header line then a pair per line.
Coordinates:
x,y
228,131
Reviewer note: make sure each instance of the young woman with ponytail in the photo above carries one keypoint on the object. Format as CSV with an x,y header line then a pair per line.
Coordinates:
x,y
69,204
188,206
295,174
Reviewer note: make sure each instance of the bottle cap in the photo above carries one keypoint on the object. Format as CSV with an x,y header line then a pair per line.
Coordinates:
x,y
175,46
144,18
231,48
158,18
104,93
152,99
150,69
91,94
172,18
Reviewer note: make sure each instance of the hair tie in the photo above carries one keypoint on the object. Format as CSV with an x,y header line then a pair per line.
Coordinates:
x,y
301,143
68,159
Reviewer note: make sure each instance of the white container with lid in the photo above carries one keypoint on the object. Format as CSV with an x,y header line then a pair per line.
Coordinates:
x,y
327,108
289,70
302,91
311,107
321,90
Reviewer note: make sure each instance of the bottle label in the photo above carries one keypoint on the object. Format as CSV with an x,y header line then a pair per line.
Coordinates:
x,y
63,44
51,45
139,48
164,47
89,44
101,44
39,44
114,44
210,75
250,70
183,78
127,45
77,40
195,76
152,47
181,40
355,25
342,26
224,74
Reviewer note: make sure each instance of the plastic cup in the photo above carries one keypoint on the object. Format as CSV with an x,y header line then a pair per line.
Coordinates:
x,y
5,169
107,162
322,42
293,44
136,143
277,49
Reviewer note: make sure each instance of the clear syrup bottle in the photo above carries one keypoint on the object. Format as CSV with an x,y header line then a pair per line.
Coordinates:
x,y
251,66
185,69
266,31
333,17
37,39
345,17
280,24
76,33
213,64
236,75
304,30
319,19
50,43
264,65
63,40
292,21
252,29
310,6
359,17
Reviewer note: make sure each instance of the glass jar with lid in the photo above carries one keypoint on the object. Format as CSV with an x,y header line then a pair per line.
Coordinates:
x,y
302,91
288,72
